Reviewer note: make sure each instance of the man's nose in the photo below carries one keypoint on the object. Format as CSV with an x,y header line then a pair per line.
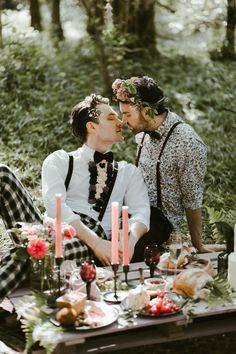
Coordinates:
x,y
119,122
124,119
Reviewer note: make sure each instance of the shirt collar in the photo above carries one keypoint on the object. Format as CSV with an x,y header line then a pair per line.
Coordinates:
x,y
170,119
86,152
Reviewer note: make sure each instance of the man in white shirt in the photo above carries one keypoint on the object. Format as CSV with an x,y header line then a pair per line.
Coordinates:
x,y
97,126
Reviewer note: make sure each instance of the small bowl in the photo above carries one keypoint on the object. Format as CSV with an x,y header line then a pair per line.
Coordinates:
x,y
156,283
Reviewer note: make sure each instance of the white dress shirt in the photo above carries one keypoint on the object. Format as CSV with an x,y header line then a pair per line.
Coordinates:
x,y
129,189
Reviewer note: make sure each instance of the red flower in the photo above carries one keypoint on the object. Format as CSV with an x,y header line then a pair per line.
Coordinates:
x,y
37,248
68,231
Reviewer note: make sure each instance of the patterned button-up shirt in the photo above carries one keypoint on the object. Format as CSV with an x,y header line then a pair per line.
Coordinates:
x,y
182,168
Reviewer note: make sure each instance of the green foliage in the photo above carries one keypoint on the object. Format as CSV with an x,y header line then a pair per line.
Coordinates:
x,y
35,324
220,292
222,223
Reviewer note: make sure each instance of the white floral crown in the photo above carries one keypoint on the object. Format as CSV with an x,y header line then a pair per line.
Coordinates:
x,y
91,102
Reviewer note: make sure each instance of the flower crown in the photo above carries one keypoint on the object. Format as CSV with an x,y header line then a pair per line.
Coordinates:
x,y
126,91
91,102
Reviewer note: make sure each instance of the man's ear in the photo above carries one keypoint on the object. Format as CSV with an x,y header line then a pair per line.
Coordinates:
x,y
145,111
90,127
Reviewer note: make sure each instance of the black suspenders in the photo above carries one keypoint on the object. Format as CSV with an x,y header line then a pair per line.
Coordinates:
x,y
112,182
158,182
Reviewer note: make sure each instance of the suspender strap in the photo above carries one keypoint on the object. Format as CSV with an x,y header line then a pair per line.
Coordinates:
x,y
69,173
139,150
112,182
158,177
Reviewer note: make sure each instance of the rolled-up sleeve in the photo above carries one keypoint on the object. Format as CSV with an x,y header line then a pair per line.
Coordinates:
x,y
54,172
136,197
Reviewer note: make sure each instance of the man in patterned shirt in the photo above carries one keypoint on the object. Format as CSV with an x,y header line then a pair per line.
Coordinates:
x,y
171,155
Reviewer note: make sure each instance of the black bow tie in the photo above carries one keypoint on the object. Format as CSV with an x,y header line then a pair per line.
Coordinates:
x,y
154,135
98,156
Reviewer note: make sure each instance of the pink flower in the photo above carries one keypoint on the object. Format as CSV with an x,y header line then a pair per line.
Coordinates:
x,y
120,91
122,95
37,248
116,85
68,231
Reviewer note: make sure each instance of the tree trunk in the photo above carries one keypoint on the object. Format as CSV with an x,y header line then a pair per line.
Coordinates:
x,y
95,15
136,18
35,15
95,25
228,49
1,41
56,20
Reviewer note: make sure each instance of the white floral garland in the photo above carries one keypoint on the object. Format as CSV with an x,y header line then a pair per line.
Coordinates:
x,y
101,178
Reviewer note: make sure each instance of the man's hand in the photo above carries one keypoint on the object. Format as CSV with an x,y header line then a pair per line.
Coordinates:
x,y
211,248
131,245
102,250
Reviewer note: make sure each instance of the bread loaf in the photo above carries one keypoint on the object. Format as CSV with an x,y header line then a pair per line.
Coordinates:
x,y
189,282
72,299
66,316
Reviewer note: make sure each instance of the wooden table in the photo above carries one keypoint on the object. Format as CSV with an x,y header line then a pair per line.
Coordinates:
x,y
146,331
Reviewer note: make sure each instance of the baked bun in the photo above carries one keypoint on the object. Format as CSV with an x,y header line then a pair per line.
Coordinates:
x,y
72,299
66,316
190,281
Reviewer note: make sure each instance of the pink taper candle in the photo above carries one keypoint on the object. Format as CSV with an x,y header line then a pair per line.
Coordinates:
x,y
114,232
58,245
125,235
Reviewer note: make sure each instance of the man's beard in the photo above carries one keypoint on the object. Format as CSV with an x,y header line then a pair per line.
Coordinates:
x,y
141,126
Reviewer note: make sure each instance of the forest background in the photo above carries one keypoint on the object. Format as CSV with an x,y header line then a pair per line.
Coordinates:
x,y
55,52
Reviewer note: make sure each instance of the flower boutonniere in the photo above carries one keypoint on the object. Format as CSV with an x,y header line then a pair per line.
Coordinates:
x,y
100,176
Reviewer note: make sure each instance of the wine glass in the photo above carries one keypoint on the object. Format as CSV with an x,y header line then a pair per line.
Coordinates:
x,y
175,247
88,274
151,257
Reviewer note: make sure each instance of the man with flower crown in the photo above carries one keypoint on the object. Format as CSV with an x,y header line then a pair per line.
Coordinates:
x,y
171,156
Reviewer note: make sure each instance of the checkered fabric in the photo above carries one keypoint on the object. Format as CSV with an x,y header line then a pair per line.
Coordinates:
x,y
15,202
17,205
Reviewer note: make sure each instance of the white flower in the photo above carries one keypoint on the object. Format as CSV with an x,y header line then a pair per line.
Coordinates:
x,y
48,222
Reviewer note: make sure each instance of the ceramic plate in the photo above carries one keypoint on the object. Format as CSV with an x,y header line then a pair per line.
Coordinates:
x,y
96,315
169,270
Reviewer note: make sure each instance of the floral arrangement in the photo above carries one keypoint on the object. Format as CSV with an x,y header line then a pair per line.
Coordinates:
x,y
37,243
37,240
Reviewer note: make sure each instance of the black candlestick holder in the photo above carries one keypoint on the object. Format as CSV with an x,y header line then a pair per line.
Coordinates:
x,y
126,270
114,296
55,288
115,268
58,261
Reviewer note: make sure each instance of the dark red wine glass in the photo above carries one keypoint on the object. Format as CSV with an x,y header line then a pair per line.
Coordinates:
x,y
152,257
88,274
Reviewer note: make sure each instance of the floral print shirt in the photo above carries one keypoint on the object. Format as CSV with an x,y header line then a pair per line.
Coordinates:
x,y
182,168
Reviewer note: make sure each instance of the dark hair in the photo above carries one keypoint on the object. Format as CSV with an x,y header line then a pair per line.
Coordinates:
x,y
141,92
151,93
84,112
